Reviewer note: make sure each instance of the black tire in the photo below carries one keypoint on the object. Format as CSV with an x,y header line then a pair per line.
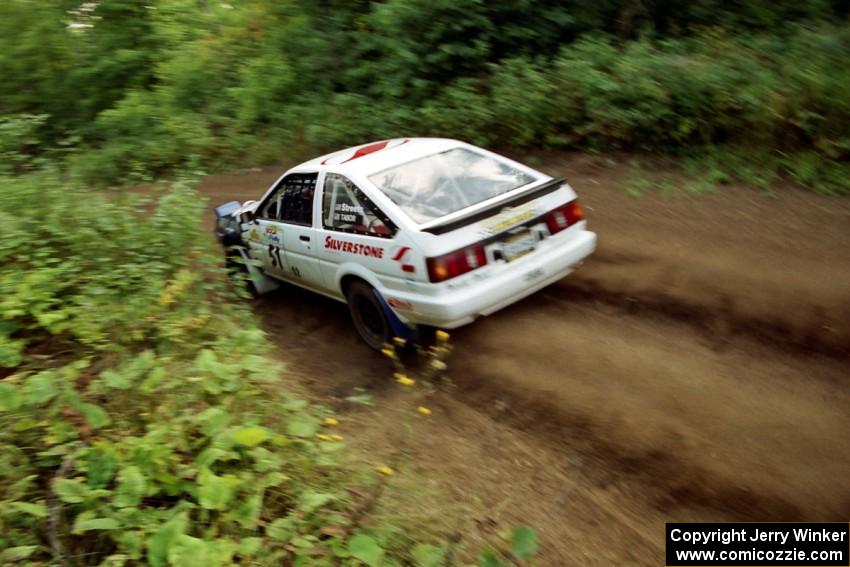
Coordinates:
x,y
368,315
239,273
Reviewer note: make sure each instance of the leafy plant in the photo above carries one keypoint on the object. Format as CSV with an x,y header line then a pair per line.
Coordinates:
x,y
139,417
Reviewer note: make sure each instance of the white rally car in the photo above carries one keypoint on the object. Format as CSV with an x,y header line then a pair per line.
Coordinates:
x,y
411,233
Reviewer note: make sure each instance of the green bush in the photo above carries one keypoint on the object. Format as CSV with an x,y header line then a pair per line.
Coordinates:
x,y
140,420
139,89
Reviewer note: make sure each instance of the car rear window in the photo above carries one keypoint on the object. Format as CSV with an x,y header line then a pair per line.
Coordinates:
x,y
437,185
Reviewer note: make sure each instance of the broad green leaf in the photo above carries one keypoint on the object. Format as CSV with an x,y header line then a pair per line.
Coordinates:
x,y
17,553
311,560
10,397
115,560
524,543
275,478
221,551
188,551
214,492
206,360
208,456
95,415
294,405
132,542
426,555
71,491
251,436
489,559
117,379
161,541
265,460
310,500
154,379
86,524
11,352
25,424
40,388
37,509
248,513
213,421
131,487
281,529
366,549
248,546
302,427
101,468
303,541
20,487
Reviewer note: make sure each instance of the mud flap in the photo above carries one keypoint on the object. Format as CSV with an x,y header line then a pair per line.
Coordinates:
x,y
262,283
398,328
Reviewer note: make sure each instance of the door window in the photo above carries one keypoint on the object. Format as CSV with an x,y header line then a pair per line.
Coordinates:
x,y
292,200
346,208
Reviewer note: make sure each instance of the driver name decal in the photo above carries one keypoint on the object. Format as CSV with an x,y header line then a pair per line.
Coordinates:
x,y
344,212
332,243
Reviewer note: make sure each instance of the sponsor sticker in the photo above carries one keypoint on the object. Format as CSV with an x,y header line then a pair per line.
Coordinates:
x,y
357,248
507,218
399,252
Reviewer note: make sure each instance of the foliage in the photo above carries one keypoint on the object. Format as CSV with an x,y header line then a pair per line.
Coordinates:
x,y
19,143
139,87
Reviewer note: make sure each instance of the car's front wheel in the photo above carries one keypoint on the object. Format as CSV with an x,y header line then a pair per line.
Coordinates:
x,y
368,315
239,272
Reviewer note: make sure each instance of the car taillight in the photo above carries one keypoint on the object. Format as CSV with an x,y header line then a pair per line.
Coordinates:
x,y
459,262
564,217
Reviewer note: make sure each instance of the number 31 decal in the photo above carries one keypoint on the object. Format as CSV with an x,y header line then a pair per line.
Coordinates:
x,y
274,254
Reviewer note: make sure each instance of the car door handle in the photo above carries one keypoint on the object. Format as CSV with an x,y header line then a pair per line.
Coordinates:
x,y
304,238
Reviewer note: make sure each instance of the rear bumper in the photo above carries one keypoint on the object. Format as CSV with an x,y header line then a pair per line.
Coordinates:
x,y
476,295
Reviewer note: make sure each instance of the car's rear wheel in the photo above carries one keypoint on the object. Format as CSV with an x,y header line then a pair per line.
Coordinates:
x,y
368,315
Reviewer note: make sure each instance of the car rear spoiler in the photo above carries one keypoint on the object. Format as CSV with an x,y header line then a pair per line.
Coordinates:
x,y
530,195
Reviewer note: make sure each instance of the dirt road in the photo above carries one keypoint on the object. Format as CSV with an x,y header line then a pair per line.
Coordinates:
x,y
695,369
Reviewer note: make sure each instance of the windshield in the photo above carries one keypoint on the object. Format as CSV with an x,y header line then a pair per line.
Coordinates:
x,y
434,186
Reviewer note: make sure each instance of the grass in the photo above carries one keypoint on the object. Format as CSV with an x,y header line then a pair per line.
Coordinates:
x,y
712,169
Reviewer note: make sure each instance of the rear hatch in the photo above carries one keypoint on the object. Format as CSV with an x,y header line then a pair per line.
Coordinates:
x,y
501,233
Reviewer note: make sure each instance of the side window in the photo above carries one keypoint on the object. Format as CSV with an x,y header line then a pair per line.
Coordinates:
x,y
292,199
347,209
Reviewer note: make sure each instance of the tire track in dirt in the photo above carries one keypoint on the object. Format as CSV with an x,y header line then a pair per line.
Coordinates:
x,y
808,328
584,397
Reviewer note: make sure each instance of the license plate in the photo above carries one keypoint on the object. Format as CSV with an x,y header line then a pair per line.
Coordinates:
x,y
518,244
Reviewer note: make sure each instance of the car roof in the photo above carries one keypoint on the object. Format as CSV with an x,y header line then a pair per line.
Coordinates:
x,y
373,157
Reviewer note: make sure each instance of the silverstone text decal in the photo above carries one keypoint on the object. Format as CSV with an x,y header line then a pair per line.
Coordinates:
x,y
353,247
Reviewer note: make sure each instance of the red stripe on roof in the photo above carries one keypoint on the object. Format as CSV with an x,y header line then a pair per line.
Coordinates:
x,y
366,150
